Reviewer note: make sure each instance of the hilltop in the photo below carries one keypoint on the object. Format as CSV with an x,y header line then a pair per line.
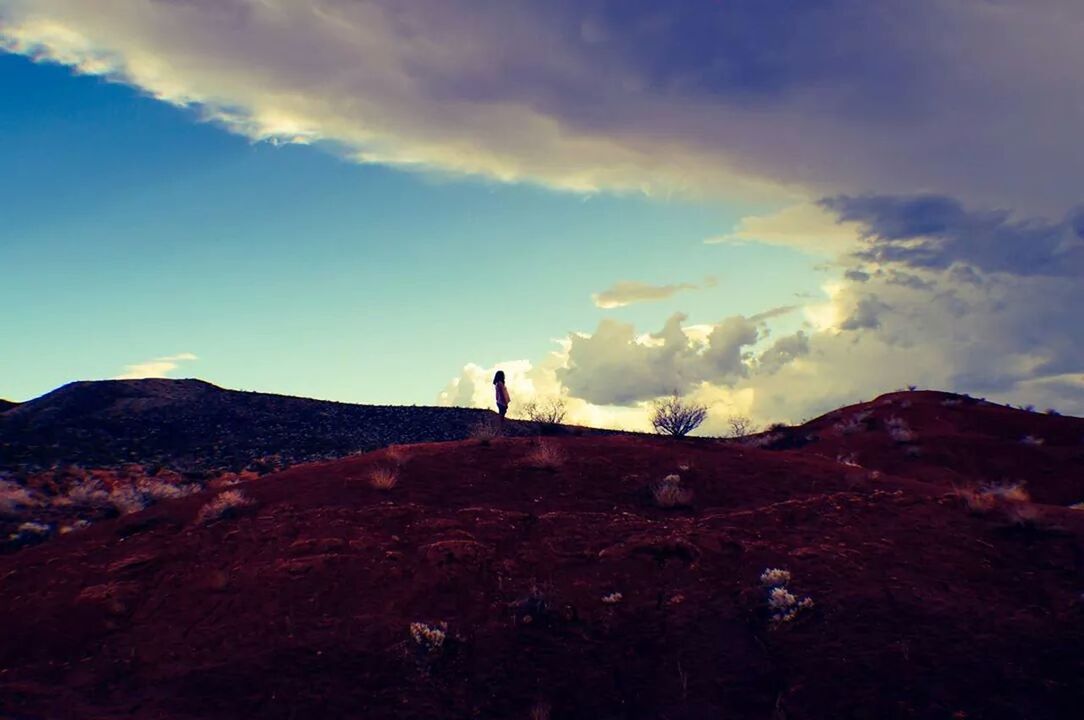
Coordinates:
x,y
194,425
574,577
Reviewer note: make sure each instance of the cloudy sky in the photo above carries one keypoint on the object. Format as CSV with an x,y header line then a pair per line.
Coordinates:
x,y
775,207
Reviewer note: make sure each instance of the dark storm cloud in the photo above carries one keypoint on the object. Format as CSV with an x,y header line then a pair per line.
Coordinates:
x,y
937,232
976,100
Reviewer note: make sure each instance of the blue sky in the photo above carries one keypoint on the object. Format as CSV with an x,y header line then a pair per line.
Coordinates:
x,y
385,201
134,231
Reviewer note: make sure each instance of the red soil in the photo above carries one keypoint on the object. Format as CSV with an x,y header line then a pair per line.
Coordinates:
x,y
299,606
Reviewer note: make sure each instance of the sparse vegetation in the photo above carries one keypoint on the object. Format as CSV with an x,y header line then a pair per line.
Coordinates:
x,y
487,431
670,493
854,424
774,577
977,502
783,605
428,639
676,416
1032,440
383,478
898,429
222,505
740,426
1025,516
14,497
547,412
30,533
545,456
77,525
1012,492
850,460
540,711
612,598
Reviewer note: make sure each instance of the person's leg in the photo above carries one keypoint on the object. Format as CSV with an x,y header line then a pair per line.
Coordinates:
x,y
502,409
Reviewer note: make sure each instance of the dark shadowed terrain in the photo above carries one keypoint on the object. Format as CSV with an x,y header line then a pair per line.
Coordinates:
x,y
933,535
194,425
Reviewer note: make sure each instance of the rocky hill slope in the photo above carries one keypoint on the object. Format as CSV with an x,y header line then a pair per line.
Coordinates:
x,y
587,577
194,425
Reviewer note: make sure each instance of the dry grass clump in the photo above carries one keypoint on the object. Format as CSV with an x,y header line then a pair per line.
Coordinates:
x,y
396,454
898,430
222,505
1012,492
14,496
33,528
487,431
850,460
1032,440
384,478
669,493
157,490
77,525
428,639
764,440
90,492
540,711
854,424
986,498
1077,506
976,502
545,456
1024,515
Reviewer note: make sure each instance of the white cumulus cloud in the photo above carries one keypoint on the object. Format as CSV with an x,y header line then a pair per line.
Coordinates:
x,y
156,368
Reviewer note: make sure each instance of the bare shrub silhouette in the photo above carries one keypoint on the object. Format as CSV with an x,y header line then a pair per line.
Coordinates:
x,y
676,416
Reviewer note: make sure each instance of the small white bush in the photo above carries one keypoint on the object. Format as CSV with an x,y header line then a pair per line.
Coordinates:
x,y
898,430
612,598
774,577
222,503
669,493
28,530
783,605
1032,440
427,638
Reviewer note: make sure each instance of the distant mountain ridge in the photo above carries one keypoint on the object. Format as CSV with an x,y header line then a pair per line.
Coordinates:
x,y
194,425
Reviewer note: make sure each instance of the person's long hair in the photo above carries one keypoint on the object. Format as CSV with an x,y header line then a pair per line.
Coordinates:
x,y
499,377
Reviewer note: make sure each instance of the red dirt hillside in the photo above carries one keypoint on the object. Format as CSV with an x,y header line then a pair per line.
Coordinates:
x,y
568,592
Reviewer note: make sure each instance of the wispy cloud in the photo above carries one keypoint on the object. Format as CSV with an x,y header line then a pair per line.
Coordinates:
x,y
158,367
809,227
627,292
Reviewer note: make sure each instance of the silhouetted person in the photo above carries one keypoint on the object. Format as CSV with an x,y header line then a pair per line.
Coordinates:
x,y
502,393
